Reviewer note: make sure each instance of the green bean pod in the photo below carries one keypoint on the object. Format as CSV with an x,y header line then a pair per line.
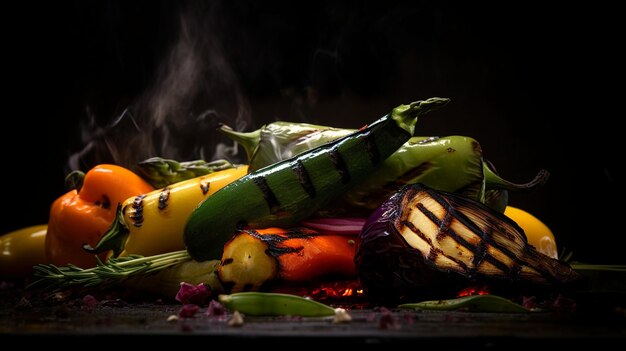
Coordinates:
x,y
286,192
274,304
474,303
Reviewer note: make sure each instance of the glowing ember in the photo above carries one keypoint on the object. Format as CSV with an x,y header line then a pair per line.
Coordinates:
x,y
473,290
335,290
344,292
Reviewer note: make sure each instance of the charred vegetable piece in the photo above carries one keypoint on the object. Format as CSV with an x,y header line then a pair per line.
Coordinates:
x,y
475,303
255,257
422,242
451,163
153,223
274,304
286,192
281,140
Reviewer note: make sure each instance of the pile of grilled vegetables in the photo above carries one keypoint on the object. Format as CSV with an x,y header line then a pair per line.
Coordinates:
x,y
424,215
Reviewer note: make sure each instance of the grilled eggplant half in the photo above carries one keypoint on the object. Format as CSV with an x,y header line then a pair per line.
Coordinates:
x,y
423,243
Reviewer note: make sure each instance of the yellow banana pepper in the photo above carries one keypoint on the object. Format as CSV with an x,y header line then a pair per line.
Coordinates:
x,y
21,249
153,223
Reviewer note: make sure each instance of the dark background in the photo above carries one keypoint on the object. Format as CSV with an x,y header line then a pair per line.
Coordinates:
x,y
539,86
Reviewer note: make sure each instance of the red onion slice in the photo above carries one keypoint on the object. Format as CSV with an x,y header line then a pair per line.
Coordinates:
x,y
335,226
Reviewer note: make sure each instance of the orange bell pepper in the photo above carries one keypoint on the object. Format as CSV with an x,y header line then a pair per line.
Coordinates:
x,y
82,216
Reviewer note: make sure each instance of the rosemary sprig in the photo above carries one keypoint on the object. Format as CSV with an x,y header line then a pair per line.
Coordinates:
x,y
111,272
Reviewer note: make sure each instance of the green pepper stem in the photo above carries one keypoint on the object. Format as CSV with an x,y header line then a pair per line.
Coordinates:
x,y
406,115
74,180
248,140
493,181
114,238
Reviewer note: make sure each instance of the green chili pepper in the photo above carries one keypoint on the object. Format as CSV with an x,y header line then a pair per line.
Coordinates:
x,y
274,304
474,303
451,163
286,192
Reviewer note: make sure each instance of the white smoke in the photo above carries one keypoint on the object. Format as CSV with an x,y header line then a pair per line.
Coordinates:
x,y
194,90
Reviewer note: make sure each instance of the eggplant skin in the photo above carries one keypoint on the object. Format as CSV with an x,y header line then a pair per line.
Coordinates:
x,y
423,243
390,271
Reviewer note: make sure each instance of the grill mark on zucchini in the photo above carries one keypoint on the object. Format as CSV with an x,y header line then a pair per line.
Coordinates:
x,y
268,194
340,165
372,149
304,178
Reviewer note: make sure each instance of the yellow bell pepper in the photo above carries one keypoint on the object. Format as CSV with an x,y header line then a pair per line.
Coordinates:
x,y
21,249
537,233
